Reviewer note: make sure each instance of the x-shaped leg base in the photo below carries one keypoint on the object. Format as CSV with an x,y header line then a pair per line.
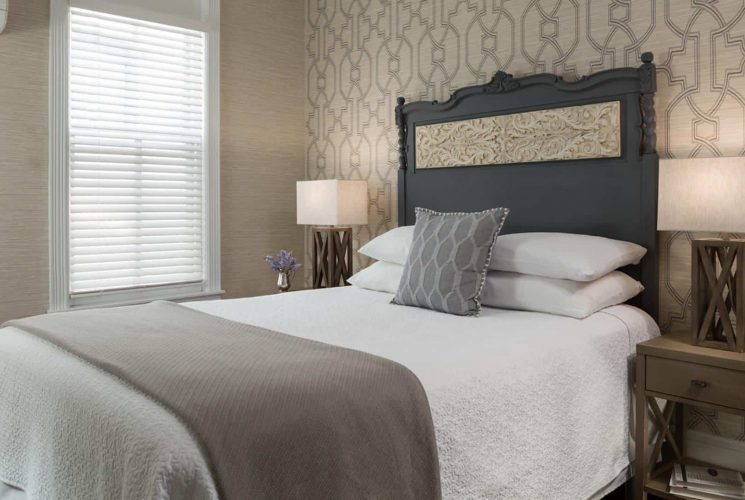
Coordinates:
x,y
662,420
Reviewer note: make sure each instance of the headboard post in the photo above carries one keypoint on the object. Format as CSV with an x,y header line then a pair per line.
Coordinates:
x,y
402,154
401,122
648,84
650,178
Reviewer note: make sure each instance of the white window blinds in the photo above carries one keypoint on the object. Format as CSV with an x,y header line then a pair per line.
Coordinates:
x,y
136,153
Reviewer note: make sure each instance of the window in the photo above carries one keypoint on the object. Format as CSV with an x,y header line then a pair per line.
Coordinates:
x,y
137,149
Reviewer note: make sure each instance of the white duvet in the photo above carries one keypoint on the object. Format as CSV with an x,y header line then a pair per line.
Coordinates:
x,y
525,405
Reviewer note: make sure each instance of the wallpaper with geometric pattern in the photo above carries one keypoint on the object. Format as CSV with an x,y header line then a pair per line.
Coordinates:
x,y
362,54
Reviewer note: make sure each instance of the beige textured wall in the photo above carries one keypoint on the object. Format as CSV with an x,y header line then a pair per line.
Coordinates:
x,y
263,138
362,55
23,160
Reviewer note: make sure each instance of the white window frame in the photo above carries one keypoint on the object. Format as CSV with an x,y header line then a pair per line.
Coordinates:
x,y
60,298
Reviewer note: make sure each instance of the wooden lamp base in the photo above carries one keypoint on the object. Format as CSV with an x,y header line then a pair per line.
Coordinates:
x,y
718,288
332,256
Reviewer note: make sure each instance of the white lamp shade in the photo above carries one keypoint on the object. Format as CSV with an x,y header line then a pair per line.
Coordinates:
x,y
702,194
332,203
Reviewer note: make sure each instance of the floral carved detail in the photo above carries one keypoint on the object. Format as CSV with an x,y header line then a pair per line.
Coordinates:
x,y
591,131
502,82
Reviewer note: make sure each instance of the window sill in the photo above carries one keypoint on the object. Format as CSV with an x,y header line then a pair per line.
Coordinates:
x,y
178,293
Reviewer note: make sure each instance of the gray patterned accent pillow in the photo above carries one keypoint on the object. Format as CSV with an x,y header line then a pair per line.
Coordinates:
x,y
448,261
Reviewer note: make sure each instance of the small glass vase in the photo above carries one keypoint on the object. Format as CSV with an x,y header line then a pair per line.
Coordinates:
x,y
283,282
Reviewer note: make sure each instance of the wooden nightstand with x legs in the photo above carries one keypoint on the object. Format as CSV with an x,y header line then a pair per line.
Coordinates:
x,y
671,370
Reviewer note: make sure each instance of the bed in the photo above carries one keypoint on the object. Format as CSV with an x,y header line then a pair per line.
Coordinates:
x,y
524,405
539,414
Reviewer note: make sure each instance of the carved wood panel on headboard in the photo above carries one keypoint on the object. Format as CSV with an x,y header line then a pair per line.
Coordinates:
x,y
566,133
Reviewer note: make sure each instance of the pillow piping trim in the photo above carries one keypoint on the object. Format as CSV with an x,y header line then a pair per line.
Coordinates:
x,y
485,271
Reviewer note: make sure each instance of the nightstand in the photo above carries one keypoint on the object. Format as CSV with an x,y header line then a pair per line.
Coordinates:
x,y
672,370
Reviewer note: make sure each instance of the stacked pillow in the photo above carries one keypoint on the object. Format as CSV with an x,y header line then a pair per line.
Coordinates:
x,y
557,273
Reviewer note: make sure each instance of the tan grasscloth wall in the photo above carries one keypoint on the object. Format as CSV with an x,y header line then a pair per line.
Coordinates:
x,y
360,56
262,146
24,102
262,139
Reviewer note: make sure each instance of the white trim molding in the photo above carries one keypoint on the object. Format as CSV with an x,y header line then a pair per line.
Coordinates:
x,y
176,293
212,263
3,14
60,298
197,16
59,43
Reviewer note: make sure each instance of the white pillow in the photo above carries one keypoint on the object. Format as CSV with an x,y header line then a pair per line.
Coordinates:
x,y
392,246
566,256
557,296
381,277
575,257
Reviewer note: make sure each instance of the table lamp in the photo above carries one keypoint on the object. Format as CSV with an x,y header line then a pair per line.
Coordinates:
x,y
708,194
332,207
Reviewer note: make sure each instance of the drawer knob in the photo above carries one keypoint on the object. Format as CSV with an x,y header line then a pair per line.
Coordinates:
x,y
701,384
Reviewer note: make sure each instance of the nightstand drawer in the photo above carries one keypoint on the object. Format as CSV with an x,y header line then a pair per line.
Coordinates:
x,y
709,384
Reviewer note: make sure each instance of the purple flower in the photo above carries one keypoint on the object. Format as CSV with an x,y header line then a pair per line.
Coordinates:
x,y
283,262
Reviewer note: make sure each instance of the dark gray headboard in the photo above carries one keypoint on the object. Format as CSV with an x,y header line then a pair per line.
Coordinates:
x,y
611,197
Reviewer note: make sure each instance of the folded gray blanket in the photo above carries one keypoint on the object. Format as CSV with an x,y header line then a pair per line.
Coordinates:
x,y
276,416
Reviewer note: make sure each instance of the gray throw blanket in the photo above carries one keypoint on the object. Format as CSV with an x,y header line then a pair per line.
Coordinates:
x,y
276,416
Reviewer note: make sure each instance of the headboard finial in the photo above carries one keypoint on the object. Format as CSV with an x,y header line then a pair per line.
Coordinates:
x,y
502,82
401,122
648,84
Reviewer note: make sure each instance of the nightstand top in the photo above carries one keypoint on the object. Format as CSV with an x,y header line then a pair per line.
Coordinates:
x,y
677,346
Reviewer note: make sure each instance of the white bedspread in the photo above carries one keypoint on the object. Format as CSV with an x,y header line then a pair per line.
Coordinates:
x,y
525,405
